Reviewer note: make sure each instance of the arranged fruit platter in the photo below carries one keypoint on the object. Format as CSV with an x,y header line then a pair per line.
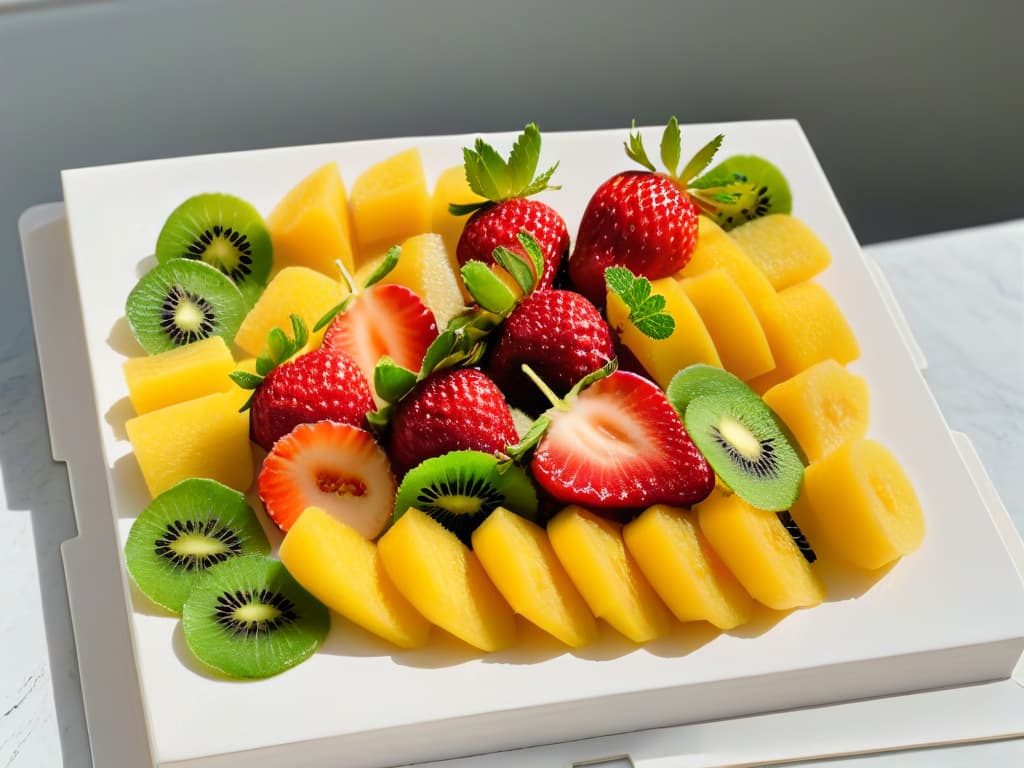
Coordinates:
x,y
418,443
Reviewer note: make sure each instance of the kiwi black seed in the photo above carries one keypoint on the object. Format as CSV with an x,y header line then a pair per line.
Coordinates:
x,y
249,618
185,531
225,232
181,301
741,439
460,489
767,190
797,535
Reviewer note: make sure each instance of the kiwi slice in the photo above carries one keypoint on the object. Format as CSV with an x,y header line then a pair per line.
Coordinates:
x,y
249,618
182,301
767,190
460,489
701,379
741,439
185,531
225,232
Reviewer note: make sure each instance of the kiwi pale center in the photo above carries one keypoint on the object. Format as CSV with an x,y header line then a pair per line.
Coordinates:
x,y
197,544
754,456
247,613
226,249
740,438
185,317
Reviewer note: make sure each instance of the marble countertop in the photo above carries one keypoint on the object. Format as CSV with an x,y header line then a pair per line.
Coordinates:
x,y
962,294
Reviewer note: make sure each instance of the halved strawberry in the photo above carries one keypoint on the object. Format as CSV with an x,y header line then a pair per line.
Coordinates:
x,y
616,444
383,320
337,467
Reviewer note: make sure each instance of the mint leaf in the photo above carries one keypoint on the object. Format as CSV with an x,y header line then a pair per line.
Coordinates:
x,y
522,162
391,381
646,312
516,266
635,150
670,146
487,289
701,160
389,263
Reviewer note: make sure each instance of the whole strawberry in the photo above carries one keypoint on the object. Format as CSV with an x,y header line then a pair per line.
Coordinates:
x,y
560,335
451,410
506,212
322,385
643,220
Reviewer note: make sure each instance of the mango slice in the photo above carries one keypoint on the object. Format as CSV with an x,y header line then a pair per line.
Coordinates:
x,y
523,566
595,556
179,374
341,568
863,502
444,581
310,227
451,187
784,248
759,551
390,203
684,570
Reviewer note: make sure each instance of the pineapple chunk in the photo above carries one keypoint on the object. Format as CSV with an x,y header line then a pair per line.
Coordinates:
x,y
757,548
785,249
390,203
341,568
428,269
444,581
519,559
689,343
823,406
730,319
182,373
295,290
451,187
862,502
205,437
684,570
310,226
594,555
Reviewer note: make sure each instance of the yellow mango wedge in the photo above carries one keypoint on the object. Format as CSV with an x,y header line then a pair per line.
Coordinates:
x,y
443,579
784,248
341,568
684,570
390,203
594,555
451,187
179,374
523,566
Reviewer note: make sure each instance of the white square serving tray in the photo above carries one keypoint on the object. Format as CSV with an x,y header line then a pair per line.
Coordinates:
x,y
951,614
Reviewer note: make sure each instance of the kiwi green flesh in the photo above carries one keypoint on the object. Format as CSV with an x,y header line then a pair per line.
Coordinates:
x,y
701,379
249,618
460,489
770,190
225,232
181,301
742,442
185,531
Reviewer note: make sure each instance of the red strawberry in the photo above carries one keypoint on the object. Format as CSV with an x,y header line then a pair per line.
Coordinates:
x,y
560,335
337,467
383,320
505,212
452,410
619,444
317,386
643,220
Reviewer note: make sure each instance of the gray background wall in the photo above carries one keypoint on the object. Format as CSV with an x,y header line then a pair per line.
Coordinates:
x,y
915,107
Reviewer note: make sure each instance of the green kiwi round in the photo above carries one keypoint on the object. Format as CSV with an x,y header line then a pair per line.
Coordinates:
x,y
182,301
768,190
184,532
225,232
740,437
701,379
460,489
249,618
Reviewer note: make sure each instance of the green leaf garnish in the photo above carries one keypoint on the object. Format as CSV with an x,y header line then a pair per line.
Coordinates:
x,y
646,312
464,209
635,149
486,288
391,381
522,162
701,160
389,263
494,180
671,146
279,349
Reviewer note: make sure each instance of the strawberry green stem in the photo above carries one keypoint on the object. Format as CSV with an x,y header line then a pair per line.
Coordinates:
x,y
554,399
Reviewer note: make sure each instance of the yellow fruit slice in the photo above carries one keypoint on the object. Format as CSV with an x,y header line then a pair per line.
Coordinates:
x,y
759,551
390,203
310,226
785,249
684,570
732,323
689,343
863,502
341,568
823,406
205,437
523,566
428,268
295,290
594,555
444,581
182,373
451,187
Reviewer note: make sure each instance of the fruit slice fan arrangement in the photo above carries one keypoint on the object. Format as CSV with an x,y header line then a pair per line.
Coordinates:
x,y
654,426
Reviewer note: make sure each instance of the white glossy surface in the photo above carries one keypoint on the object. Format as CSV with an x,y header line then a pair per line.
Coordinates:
x,y
983,318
